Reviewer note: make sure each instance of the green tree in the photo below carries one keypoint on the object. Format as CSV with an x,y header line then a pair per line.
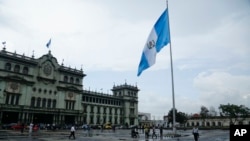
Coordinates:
x,y
204,114
179,117
235,113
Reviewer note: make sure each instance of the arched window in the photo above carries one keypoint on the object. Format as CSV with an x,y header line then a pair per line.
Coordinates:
x,y
8,66
77,81
71,80
65,79
25,70
17,68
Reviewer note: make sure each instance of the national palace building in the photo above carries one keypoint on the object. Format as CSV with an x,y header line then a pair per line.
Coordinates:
x,y
40,90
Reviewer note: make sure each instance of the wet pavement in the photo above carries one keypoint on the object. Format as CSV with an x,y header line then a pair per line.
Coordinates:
x,y
97,135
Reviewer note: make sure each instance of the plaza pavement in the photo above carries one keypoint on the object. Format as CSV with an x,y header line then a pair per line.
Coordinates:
x,y
97,135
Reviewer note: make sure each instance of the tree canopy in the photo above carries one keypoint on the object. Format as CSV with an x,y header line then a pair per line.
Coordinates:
x,y
179,116
234,112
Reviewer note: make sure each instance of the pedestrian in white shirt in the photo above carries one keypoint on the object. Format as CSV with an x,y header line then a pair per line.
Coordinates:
x,y
196,133
30,128
72,132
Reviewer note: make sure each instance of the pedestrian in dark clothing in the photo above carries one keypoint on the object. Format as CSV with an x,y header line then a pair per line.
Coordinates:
x,y
153,134
147,131
161,131
134,133
22,127
142,129
72,132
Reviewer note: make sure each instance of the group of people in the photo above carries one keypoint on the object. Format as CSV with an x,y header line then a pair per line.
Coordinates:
x,y
30,127
135,133
147,131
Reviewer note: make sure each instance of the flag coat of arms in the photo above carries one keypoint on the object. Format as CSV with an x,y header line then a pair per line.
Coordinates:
x,y
158,38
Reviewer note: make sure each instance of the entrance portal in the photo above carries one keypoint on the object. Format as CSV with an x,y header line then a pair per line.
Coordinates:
x,y
10,117
70,119
43,118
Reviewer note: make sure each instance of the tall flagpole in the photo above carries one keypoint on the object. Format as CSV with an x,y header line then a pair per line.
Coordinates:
x,y
172,73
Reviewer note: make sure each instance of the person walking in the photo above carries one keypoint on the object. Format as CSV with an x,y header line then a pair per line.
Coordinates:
x,y
161,131
196,133
147,132
22,127
72,132
154,134
31,128
143,129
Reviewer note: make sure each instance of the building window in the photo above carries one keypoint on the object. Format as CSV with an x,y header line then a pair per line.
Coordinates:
x,y
38,104
49,103
8,66
104,110
17,68
54,103
25,70
132,111
83,98
7,99
98,120
71,80
85,108
91,120
132,104
32,104
77,81
70,105
98,110
34,89
12,99
44,103
17,100
65,79
92,109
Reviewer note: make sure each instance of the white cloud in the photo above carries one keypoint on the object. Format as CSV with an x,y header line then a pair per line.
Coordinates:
x,y
222,88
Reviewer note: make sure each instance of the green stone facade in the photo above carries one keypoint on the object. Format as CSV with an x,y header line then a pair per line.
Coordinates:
x,y
40,90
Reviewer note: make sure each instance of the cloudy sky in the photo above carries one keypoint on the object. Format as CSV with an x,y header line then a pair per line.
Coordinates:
x,y
210,46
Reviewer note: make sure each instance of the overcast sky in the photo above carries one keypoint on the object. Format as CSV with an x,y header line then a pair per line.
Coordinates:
x,y
210,46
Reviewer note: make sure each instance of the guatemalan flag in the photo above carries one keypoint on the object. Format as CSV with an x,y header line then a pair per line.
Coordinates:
x,y
49,42
158,38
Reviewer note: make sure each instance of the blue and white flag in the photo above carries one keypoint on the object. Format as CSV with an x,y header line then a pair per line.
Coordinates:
x,y
158,38
48,44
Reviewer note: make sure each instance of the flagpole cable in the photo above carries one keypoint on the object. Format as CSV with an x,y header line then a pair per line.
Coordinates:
x,y
172,74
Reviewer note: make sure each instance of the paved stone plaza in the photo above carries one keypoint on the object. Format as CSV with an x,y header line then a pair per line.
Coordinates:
x,y
97,135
